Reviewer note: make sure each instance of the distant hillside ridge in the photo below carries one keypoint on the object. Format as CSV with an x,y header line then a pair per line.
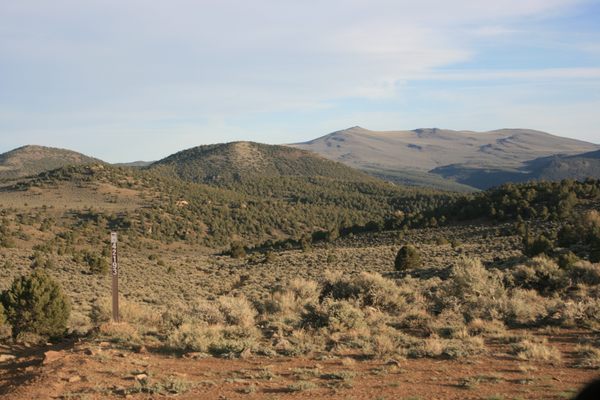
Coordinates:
x,y
32,160
242,161
466,157
552,168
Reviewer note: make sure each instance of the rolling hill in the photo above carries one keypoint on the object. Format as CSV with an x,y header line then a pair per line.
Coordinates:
x,y
32,160
218,194
422,156
229,163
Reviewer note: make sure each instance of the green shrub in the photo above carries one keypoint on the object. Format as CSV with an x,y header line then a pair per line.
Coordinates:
x,y
407,258
336,315
37,304
539,245
2,315
98,264
567,260
237,250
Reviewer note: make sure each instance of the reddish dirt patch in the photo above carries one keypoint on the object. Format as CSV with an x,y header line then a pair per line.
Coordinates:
x,y
92,370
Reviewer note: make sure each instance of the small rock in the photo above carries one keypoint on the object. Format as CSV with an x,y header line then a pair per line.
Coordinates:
x,y
141,349
90,352
120,390
141,377
6,357
393,362
74,379
104,344
51,356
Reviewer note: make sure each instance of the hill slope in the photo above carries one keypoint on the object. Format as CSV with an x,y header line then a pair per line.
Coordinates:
x,y
551,168
228,163
579,166
153,205
32,160
432,150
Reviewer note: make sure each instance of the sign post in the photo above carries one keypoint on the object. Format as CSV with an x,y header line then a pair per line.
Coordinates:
x,y
115,277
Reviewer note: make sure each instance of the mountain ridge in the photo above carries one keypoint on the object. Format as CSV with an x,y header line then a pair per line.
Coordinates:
x,y
431,153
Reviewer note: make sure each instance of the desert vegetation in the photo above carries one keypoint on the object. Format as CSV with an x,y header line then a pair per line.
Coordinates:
x,y
389,274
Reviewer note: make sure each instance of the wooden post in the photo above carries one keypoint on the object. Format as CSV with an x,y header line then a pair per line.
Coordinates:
x,y
115,277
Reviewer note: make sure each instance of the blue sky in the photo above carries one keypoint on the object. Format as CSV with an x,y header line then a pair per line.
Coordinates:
x,y
132,79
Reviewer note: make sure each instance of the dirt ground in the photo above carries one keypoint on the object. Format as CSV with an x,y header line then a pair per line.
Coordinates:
x,y
100,370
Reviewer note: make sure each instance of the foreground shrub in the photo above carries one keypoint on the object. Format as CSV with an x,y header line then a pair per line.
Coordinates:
x,y
524,307
472,289
536,351
585,272
368,289
588,357
542,274
133,314
217,340
408,257
336,315
226,326
288,304
36,304
584,313
539,245
120,332
434,347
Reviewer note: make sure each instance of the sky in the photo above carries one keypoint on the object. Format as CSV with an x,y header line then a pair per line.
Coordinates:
x,y
138,80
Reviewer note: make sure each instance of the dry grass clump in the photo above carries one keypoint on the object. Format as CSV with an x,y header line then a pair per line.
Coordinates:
x,y
584,272
484,327
368,289
588,357
130,312
443,316
289,304
542,274
226,326
120,332
571,313
591,219
524,308
532,350
472,289
135,321
345,313
435,347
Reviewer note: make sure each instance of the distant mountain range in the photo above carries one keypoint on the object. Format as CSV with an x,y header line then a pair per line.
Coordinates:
x,y
436,158
441,158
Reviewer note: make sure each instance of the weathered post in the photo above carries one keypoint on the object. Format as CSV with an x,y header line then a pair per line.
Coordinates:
x,y
115,277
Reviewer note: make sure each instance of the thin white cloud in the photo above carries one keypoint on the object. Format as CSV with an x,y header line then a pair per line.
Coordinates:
x,y
529,74
140,66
